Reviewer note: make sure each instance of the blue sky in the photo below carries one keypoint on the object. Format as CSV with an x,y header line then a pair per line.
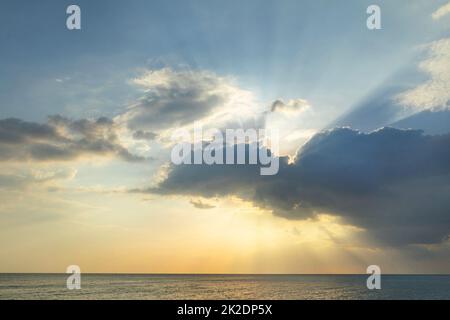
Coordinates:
x,y
296,48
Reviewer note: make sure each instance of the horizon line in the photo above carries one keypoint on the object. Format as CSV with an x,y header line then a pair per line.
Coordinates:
x,y
231,274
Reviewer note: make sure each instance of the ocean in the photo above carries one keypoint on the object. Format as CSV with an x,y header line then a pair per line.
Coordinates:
x,y
159,286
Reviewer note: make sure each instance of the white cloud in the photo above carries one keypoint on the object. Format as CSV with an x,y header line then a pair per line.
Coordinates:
x,y
434,93
301,134
441,12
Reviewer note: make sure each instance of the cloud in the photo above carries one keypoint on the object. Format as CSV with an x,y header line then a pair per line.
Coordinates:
x,y
201,205
61,139
292,106
393,183
441,12
144,135
434,93
178,98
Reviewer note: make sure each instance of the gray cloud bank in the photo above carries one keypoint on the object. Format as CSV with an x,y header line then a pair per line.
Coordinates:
x,y
175,98
394,183
60,139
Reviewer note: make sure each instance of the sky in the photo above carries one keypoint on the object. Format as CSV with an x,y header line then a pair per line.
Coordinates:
x,y
86,118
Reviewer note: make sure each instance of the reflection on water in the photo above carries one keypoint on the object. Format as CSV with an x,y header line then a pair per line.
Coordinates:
x,y
123,286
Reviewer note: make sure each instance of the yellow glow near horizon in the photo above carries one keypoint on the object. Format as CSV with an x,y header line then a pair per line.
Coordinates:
x,y
129,235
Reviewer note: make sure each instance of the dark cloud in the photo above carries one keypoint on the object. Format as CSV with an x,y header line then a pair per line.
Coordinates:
x,y
15,131
201,205
295,105
175,98
144,135
394,183
60,139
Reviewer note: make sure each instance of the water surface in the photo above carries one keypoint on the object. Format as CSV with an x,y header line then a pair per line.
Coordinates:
x,y
151,286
